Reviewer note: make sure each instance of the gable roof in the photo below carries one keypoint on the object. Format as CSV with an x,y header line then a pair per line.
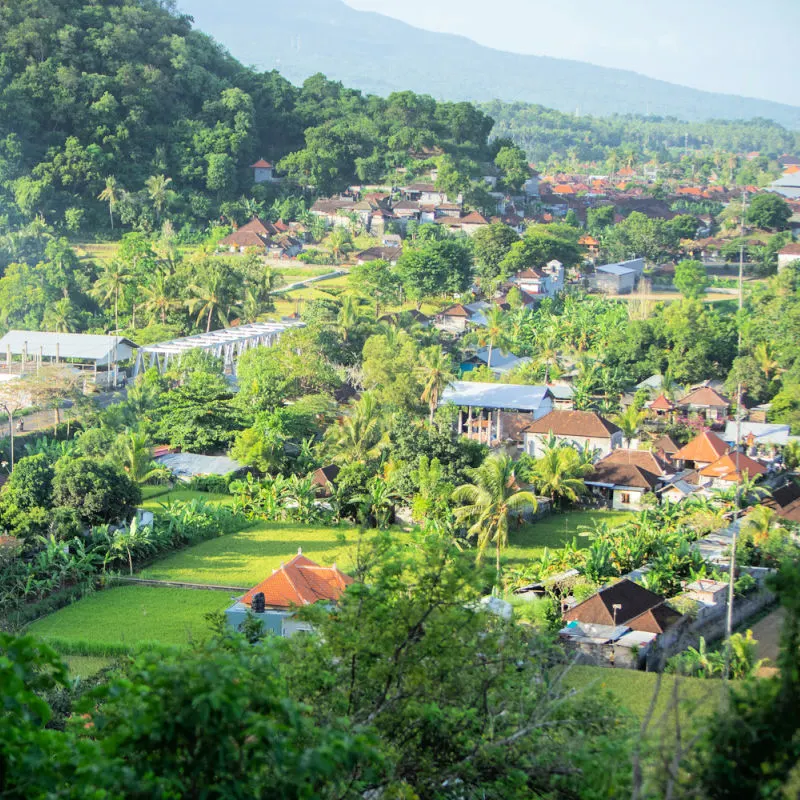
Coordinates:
x,y
706,447
301,582
457,310
644,459
261,164
666,444
705,396
529,274
785,501
655,620
634,600
732,466
574,423
474,218
616,474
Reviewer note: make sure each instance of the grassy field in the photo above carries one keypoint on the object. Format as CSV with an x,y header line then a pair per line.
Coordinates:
x,y
246,558
153,497
86,666
634,690
126,615
529,541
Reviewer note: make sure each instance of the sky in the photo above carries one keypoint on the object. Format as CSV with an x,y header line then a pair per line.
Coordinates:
x,y
744,47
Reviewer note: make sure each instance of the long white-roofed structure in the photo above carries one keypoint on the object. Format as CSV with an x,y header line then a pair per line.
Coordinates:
x,y
26,350
227,343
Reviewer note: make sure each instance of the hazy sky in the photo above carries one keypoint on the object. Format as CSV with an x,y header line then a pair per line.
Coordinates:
x,y
744,47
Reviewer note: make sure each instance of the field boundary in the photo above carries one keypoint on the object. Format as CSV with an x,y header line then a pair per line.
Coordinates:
x,y
179,584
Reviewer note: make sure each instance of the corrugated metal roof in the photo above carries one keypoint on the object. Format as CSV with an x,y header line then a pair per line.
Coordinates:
x,y
495,395
762,432
85,346
616,269
187,465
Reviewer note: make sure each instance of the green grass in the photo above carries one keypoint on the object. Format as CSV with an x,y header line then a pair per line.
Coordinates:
x,y
154,496
246,558
555,531
634,690
86,666
127,615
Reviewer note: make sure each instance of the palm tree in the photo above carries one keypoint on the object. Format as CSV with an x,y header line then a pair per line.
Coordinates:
x,y
349,316
488,503
559,472
759,523
791,455
629,421
211,297
360,436
111,194
108,286
340,242
159,297
435,372
137,459
60,316
765,360
158,191
493,334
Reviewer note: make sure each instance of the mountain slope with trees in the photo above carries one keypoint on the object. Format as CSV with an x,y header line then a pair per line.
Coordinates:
x,y
378,54
122,110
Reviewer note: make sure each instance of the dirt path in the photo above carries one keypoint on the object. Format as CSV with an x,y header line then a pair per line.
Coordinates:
x,y
768,633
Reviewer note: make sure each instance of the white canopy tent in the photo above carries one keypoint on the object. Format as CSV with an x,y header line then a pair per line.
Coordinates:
x,y
228,343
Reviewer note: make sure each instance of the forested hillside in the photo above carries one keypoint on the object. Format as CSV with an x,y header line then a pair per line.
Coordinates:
x,y
544,132
124,100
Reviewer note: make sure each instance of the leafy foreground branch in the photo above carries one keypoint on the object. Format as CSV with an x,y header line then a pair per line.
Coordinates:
x,y
412,689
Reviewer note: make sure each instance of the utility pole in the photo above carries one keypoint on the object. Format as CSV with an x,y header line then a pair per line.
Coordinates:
x,y
738,495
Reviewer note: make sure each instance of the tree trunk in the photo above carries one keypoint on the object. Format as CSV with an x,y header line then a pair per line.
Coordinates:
x,y
497,554
111,214
11,435
116,311
130,560
208,321
491,347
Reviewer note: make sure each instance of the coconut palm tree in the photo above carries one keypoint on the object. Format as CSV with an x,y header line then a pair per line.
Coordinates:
x,y
110,284
340,242
158,191
559,472
435,372
494,333
759,523
360,436
61,316
629,421
211,297
136,457
159,297
111,194
349,316
765,359
488,504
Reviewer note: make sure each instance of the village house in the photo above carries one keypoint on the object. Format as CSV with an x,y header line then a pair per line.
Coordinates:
x,y
298,583
785,500
662,408
733,467
334,210
390,254
707,591
324,480
624,477
788,254
263,172
501,364
700,452
496,413
665,448
453,319
426,194
582,429
758,437
707,402
618,278
254,234
546,281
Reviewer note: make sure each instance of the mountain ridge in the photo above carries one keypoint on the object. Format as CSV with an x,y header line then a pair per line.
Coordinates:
x,y
379,54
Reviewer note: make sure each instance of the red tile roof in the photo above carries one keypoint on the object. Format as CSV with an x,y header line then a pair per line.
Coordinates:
x,y
301,582
261,164
573,423
661,403
457,310
616,474
633,601
726,469
790,250
706,448
474,218
644,459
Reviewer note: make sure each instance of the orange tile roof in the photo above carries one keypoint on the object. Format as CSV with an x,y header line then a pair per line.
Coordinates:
x,y
301,582
706,448
661,403
588,241
261,164
726,469
563,189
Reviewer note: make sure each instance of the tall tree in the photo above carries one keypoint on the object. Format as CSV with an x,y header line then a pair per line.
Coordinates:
x,y
490,503
211,296
157,187
435,372
110,284
111,194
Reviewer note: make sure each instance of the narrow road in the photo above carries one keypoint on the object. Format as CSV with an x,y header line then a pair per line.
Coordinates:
x,y
768,633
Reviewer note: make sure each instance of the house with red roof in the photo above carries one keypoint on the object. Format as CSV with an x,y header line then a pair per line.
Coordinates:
x,y
788,255
662,407
707,402
263,171
582,429
274,601
702,451
733,467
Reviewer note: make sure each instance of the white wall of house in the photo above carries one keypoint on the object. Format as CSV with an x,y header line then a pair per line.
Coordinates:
x,y
627,499
263,174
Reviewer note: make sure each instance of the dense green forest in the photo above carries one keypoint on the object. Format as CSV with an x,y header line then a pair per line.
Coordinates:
x,y
544,133
123,99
